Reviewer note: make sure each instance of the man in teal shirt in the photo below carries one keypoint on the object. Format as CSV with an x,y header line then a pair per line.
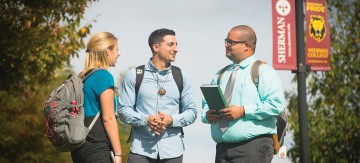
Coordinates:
x,y
252,110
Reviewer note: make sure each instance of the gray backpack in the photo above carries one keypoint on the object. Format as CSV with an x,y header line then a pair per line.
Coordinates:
x,y
64,114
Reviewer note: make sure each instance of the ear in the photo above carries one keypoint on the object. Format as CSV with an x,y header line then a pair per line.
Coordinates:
x,y
155,47
248,46
107,50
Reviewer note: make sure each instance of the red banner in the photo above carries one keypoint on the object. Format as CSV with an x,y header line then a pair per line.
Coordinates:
x,y
317,36
284,34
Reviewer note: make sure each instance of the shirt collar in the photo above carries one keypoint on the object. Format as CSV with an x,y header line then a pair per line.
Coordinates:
x,y
152,68
245,62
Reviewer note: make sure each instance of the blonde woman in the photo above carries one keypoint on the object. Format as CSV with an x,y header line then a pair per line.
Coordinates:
x,y
102,51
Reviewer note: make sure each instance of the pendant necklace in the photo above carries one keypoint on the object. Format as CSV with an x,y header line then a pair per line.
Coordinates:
x,y
161,90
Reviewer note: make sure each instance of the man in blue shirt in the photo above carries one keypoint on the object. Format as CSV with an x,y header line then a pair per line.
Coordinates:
x,y
251,116
156,123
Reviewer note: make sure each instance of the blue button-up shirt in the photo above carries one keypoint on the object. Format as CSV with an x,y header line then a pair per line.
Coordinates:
x,y
261,105
170,143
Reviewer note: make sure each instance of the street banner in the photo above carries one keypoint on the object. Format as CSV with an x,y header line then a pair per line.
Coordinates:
x,y
317,36
284,34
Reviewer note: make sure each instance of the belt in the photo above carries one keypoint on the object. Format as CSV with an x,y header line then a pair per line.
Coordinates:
x,y
246,141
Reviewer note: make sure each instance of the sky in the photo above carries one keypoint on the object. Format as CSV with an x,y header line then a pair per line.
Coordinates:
x,y
201,27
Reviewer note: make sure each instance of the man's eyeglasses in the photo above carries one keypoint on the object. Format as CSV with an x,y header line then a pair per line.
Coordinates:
x,y
231,42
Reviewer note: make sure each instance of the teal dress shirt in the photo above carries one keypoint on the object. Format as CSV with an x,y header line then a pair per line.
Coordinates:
x,y
261,104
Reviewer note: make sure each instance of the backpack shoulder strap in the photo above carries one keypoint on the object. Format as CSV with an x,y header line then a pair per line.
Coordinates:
x,y
90,72
177,75
139,77
86,76
222,73
255,72
140,71
94,120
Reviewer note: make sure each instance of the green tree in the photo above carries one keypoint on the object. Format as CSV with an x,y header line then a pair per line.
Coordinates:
x,y
22,125
37,39
333,96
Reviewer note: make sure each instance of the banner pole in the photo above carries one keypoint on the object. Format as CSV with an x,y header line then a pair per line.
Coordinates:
x,y
301,75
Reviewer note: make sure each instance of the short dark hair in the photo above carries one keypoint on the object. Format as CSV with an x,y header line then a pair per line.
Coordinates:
x,y
157,36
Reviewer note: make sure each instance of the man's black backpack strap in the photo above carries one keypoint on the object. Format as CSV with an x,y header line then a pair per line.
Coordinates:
x,y
140,71
177,75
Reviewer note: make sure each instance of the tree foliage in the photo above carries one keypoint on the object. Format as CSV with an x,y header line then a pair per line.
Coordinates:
x,y
37,37
22,123
333,96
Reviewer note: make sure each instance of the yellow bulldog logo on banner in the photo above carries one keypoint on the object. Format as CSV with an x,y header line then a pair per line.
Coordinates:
x,y
317,27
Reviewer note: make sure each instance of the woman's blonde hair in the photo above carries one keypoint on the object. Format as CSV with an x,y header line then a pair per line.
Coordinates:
x,y
96,50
